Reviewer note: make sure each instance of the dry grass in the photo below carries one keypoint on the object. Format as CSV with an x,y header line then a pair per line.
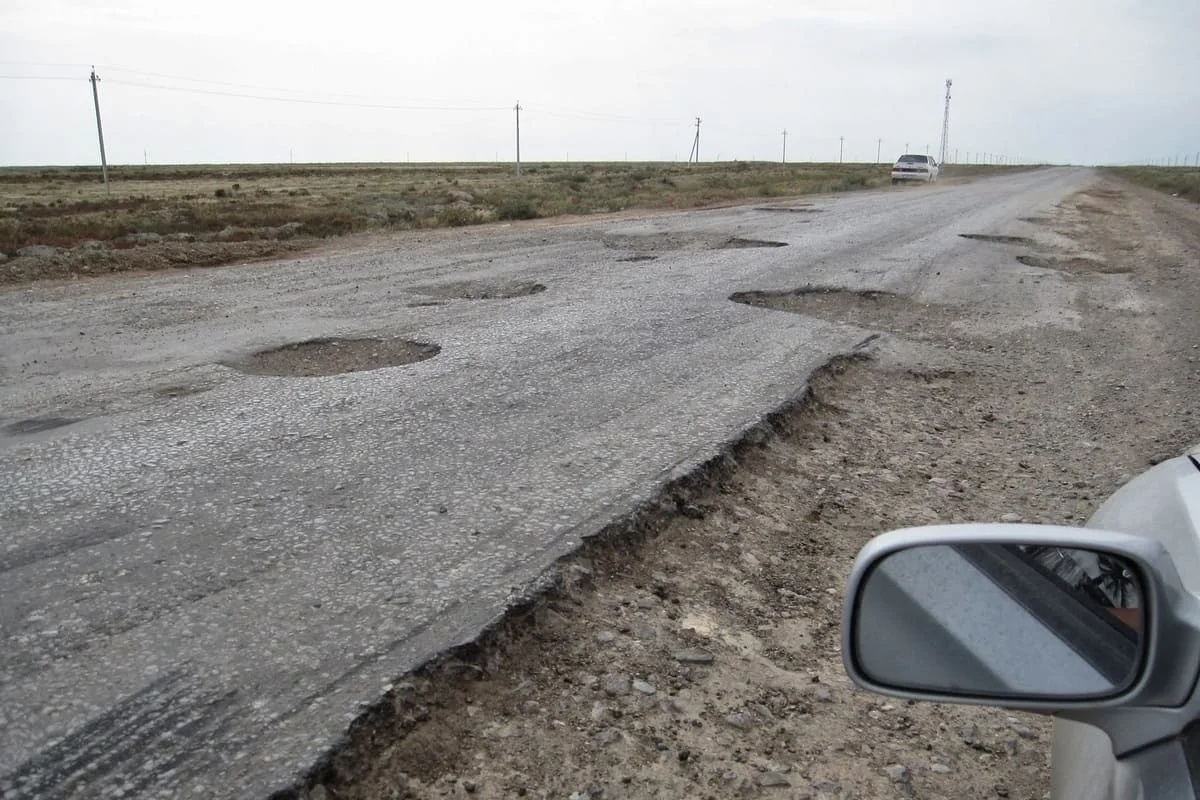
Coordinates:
x,y
67,205
978,170
1180,181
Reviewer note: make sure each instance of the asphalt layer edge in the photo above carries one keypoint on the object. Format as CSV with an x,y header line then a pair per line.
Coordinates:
x,y
382,722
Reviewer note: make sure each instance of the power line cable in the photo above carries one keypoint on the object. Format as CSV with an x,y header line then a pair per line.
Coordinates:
x,y
564,113
42,66
255,87
302,100
39,78
589,116
164,76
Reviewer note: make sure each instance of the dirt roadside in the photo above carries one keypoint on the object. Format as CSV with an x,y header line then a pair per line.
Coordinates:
x,y
694,653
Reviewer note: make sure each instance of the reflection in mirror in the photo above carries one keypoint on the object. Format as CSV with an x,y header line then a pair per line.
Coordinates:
x,y
1015,621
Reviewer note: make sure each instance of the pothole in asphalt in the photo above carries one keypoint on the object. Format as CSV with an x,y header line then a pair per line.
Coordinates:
x,y
646,243
321,357
25,427
738,243
877,310
1037,220
652,242
1072,264
634,259
807,295
478,290
988,237
791,209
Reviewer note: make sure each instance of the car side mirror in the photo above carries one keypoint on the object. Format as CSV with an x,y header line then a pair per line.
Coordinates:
x,y
1047,618
1001,620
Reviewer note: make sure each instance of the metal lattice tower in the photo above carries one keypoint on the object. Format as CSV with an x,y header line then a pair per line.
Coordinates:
x,y
945,125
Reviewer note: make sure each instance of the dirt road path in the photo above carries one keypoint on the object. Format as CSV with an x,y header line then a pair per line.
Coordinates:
x,y
694,651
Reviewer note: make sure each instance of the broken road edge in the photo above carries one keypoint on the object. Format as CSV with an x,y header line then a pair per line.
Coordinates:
x,y
383,722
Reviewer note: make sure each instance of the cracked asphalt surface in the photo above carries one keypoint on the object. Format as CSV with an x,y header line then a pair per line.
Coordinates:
x,y
207,575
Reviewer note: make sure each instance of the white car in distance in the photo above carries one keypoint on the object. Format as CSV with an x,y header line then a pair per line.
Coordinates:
x,y
915,168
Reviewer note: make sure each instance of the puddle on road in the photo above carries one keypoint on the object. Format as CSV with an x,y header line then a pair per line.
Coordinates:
x,y
321,357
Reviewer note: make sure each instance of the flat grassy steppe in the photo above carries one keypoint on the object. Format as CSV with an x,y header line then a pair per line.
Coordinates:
x,y
1181,181
64,206
58,222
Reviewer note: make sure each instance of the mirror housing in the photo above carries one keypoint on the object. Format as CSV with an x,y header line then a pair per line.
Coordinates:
x,y
1170,626
1002,620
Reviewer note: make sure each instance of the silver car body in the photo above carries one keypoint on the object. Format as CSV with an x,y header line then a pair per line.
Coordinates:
x,y
1162,504
1144,741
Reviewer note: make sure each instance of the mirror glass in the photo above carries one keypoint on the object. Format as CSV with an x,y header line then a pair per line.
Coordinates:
x,y
1004,620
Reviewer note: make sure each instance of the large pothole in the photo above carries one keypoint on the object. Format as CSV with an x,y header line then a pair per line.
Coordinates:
x,y
329,356
995,239
481,290
800,209
875,310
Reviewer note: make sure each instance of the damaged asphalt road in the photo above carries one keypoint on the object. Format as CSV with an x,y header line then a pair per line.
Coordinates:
x,y
210,573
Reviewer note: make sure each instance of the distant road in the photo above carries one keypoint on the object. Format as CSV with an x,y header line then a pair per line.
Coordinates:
x,y
205,575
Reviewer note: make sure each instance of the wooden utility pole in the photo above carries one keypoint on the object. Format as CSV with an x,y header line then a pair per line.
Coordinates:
x,y
695,144
100,132
785,145
518,138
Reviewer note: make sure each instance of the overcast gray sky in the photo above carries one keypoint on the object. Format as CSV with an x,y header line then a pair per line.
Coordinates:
x,y
1083,81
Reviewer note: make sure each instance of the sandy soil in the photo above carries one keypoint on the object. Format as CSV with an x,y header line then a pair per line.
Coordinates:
x,y
694,651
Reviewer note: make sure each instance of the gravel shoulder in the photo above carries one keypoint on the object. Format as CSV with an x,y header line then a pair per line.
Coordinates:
x,y
692,651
